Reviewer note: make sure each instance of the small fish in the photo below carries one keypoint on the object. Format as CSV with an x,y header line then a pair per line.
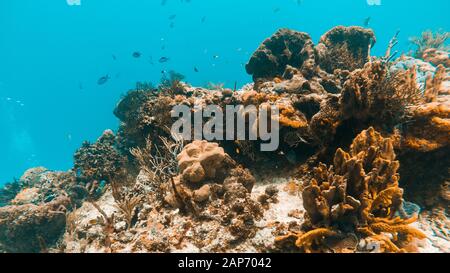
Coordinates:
x,y
172,25
163,2
216,57
114,57
137,54
196,69
276,10
203,19
163,59
103,80
172,17
367,21
80,86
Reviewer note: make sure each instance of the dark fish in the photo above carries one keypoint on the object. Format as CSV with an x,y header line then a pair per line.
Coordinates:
x,y
80,86
276,10
172,25
367,21
216,57
172,17
163,59
103,80
137,54
114,57
204,19
196,69
163,2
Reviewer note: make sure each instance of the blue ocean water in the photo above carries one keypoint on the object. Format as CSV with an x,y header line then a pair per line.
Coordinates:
x,y
52,54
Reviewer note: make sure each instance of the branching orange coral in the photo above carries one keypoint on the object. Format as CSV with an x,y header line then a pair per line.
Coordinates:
x,y
359,193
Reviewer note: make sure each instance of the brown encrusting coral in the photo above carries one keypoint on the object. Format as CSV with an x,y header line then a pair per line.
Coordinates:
x,y
285,47
98,161
32,228
351,125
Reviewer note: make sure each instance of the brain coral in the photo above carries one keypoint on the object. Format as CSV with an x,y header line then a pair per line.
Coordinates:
x,y
201,160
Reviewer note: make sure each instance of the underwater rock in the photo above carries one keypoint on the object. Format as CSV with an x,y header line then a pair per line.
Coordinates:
x,y
345,48
39,185
26,196
32,228
425,177
8,192
32,176
285,47
423,69
437,57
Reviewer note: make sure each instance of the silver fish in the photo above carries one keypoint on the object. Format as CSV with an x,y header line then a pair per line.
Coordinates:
x,y
103,80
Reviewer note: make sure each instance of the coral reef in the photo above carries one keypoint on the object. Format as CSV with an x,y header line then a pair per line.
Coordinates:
x,y
359,194
285,47
209,179
145,189
8,192
99,161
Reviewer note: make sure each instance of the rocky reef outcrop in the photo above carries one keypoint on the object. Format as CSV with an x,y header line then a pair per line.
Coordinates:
x,y
32,228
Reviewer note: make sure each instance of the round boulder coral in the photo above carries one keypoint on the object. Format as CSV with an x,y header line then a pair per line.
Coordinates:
x,y
201,160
